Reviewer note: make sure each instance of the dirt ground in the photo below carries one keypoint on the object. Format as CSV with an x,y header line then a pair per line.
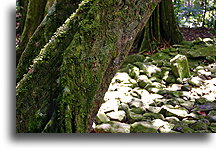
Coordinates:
x,y
191,34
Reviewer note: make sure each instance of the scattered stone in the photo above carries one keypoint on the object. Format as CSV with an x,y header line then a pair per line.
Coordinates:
x,y
102,117
154,109
133,117
103,128
182,127
195,81
117,115
200,101
113,127
143,81
188,121
148,89
139,110
135,103
150,69
124,107
212,67
143,127
181,112
186,87
134,72
162,126
205,107
110,105
179,66
212,115
152,116
118,127
173,120
199,126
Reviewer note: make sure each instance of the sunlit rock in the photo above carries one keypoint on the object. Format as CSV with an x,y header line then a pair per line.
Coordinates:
x,y
181,112
162,126
117,115
154,109
113,127
135,103
110,105
102,117
196,81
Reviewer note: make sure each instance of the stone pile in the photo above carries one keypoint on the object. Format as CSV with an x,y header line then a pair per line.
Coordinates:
x,y
165,93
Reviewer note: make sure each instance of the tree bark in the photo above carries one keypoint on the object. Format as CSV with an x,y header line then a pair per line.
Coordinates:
x,y
64,88
23,4
34,16
59,12
160,29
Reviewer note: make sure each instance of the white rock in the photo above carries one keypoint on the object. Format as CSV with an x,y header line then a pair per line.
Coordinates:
x,y
117,115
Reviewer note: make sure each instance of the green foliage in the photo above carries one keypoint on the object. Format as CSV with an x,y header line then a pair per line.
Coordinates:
x,y
196,13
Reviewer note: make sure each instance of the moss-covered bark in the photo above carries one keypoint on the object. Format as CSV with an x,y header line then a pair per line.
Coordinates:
x,y
23,4
65,86
34,16
170,31
160,29
59,12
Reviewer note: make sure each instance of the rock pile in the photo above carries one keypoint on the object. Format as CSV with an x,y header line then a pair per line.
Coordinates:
x,y
169,92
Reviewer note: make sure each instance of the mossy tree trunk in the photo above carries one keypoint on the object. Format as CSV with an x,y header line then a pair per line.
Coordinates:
x,y
64,88
34,16
56,16
161,29
23,4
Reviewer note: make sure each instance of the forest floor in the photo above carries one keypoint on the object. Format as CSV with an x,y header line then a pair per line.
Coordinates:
x,y
146,95
191,34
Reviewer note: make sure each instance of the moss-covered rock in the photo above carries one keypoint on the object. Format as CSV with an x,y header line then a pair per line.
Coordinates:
x,y
203,51
199,126
172,120
134,72
143,127
212,115
169,111
138,110
179,66
162,126
151,116
133,117
143,80
182,127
